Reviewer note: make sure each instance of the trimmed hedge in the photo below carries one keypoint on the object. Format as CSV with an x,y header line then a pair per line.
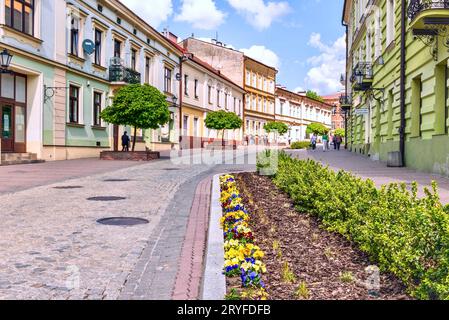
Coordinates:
x,y
405,235
300,145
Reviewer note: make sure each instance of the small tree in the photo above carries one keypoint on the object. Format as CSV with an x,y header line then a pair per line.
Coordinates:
x,y
340,132
138,106
276,127
222,121
317,128
313,95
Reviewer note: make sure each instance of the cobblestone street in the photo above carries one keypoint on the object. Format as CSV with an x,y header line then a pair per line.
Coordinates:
x,y
53,248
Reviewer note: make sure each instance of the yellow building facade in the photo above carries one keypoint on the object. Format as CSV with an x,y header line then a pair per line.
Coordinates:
x,y
205,89
260,86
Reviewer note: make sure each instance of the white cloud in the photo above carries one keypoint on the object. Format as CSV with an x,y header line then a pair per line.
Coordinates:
x,y
263,55
260,14
156,13
326,68
201,14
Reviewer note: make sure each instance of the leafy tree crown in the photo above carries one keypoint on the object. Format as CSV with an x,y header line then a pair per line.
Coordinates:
x,y
139,106
313,95
222,120
280,127
317,128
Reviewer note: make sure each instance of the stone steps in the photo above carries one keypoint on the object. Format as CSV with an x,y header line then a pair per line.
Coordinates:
x,y
19,158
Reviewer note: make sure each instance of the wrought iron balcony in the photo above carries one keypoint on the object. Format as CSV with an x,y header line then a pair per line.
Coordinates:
x,y
119,73
345,102
362,76
428,12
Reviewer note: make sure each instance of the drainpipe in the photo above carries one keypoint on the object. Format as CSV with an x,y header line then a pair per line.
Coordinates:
x,y
347,112
181,60
402,80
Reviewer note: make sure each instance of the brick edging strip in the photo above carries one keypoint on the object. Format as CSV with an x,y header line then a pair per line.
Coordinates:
x,y
190,272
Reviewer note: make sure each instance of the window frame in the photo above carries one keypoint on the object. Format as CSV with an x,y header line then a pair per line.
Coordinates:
x,y
98,46
31,6
74,100
97,108
168,82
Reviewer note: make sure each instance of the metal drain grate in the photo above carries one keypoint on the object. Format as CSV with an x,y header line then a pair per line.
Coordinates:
x,y
107,198
68,187
123,221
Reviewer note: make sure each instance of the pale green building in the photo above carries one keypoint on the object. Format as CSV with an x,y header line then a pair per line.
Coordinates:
x,y
397,81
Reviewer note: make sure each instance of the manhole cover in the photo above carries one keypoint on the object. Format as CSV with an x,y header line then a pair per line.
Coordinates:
x,y
109,198
68,187
123,221
116,180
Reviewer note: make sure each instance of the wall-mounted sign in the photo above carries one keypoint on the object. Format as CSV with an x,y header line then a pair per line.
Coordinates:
x,y
361,111
88,46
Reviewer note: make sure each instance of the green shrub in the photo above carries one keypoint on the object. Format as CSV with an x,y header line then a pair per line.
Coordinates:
x,y
300,145
405,235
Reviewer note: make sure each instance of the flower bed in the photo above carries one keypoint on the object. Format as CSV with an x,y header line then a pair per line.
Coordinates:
x,y
404,234
242,256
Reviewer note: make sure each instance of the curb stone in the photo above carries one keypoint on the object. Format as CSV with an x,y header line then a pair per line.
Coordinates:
x,y
214,284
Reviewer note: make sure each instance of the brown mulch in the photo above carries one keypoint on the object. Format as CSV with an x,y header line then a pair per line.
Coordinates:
x,y
316,257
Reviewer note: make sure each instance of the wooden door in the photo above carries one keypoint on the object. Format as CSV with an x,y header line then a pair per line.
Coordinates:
x,y
7,127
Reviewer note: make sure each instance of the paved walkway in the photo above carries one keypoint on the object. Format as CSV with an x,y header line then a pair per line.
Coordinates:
x,y
374,170
53,248
22,177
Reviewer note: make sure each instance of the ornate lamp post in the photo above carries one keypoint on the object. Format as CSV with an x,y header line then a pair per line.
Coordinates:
x,y
5,61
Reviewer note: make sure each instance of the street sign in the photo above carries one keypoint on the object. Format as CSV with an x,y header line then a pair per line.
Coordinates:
x,y
362,111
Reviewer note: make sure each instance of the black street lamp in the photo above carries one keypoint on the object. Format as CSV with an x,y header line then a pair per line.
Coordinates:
x,y
5,61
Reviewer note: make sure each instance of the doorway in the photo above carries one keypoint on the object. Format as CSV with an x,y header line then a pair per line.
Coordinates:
x,y
6,128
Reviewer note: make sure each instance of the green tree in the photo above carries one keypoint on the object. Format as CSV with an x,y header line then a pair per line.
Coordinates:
x,y
313,95
317,128
138,106
277,128
340,132
222,121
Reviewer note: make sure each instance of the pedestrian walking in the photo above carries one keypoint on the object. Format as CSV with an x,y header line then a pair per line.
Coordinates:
x,y
334,141
125,142
325,138
339,140
313,141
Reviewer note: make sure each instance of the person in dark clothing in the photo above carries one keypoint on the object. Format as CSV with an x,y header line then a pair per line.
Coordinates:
x,y
334,141
338,142
125,142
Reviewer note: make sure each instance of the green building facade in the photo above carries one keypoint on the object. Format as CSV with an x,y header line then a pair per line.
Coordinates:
x,y
382,103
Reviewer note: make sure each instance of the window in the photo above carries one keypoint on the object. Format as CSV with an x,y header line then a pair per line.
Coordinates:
x,y
147,69
168,80
196,127
209,94
186,85
97,108
117,48
74,104
218,98
235,105
196,89
226,101
19,14
390,21
186,125
74,35
416,114
134,59
248,77
98,41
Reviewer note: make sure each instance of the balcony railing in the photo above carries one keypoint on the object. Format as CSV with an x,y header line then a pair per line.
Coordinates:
x,y
119,73
363,69
417,6
345,101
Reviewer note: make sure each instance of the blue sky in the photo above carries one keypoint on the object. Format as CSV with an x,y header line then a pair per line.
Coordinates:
x,y
304,39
